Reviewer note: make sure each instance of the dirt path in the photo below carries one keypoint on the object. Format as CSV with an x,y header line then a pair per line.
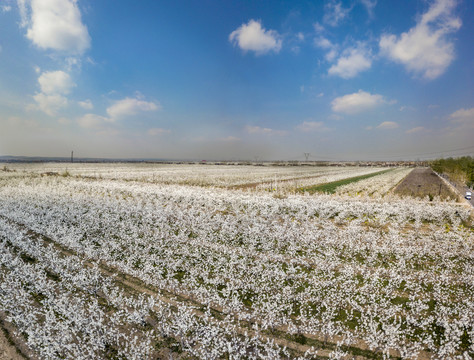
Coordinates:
x,y
7,350
12,347
423,182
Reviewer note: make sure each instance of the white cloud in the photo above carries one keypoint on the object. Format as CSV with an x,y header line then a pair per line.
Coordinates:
x,y
54,85
130,106
157,131
325,44
6,8
388,125
310,126
120,109
49,103
465,116
54,25
23,9
357,102
369,5
252,37
425,48
335,13
318,27
415,130
331,55
92,121
352,62
86,104
263,131
56,82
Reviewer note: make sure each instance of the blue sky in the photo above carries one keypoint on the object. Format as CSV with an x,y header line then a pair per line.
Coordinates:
x,y
342,80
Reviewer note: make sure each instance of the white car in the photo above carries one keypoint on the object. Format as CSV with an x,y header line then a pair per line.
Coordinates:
x,y
468,195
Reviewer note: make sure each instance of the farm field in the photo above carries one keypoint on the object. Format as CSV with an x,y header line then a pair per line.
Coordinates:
x,y
224,176
208,262
424,183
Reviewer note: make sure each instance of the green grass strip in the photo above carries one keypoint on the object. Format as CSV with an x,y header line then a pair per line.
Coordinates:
x,y
330,188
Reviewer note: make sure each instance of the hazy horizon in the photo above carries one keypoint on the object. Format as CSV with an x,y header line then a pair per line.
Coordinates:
x,y
341,80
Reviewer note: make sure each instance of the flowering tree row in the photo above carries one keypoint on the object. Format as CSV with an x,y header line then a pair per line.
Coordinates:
x,y
195,175
377,186
65,309
393,277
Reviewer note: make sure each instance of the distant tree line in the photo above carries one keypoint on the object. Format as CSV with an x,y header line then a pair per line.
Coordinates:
x,y
458,169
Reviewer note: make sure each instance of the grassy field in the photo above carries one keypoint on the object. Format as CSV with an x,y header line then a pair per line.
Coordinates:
x,y
331,187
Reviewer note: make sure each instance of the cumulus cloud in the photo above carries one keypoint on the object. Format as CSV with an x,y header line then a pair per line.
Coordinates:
x,y
6,8
352,62
54,25
130,106
357,102
252,37
425,49
415,130
335,13
56,82
387,125
54,85
323,43
263,131
49,103
86,104
327,45
310,126
463,116
118,110
92,121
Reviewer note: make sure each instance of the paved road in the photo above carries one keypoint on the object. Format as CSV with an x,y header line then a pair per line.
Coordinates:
x,y
461,189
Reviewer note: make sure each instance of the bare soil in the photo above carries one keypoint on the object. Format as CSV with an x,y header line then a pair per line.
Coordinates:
x,y
8,351
424,183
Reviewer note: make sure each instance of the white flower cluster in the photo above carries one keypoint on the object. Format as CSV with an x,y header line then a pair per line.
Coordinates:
x,y
199,174
241,270
329,175
65,309
377,186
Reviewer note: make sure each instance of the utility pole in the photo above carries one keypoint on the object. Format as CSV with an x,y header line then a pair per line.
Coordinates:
x,y
72,156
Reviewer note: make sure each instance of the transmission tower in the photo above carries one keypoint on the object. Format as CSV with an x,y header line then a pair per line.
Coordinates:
x,y
306,155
